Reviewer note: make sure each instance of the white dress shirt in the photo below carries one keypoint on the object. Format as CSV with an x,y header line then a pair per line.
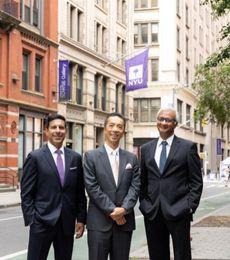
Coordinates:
x,y
53,150
159,148
113,155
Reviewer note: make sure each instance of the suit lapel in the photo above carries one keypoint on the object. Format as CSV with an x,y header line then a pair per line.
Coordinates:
x,y
122,164
153,148
50,160
173,149
105,160
68,159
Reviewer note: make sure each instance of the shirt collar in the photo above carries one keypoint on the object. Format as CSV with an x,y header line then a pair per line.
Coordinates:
x,y
109,150
53,149
169,140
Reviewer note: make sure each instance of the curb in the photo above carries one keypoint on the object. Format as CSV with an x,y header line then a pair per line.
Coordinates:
x,y
10,205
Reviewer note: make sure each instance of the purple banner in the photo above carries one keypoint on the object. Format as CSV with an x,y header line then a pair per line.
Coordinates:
x,y
218,146
64,87
136,70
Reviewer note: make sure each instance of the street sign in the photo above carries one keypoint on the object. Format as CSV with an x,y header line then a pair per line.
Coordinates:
x,y
218,146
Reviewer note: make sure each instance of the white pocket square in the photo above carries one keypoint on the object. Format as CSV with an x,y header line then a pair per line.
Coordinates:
x,y
72,168
128,166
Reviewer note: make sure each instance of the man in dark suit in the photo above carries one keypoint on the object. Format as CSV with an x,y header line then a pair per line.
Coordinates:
x,y
112,181
53,195
171,187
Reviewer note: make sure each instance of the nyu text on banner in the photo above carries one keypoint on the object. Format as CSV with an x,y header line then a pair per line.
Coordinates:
x,y
64,87
136,70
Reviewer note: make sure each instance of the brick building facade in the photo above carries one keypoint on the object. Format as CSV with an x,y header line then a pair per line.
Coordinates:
x,y
28,79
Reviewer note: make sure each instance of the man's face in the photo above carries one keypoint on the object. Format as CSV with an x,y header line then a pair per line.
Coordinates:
x,y
114,131
166,123
56,132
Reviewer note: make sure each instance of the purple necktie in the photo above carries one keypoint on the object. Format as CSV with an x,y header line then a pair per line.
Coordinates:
x,y
60,166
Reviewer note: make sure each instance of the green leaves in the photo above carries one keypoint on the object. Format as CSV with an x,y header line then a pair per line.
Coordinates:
x,y
212,79
213,87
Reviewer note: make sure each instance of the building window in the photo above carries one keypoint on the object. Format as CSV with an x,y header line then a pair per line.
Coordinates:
x,y
178,7
154,69
144,33
188,115
194,28
74,22
154,32
222,131
79,26
25,71
141,35
96,84
102,4
30,136
145,3
123,100
187,47
187,77
154,3
117,98
178,38
30,12
145,110
38,74
121,11
179,110
136,34
100,38
79,84
103,96
201,36
187,15
178,71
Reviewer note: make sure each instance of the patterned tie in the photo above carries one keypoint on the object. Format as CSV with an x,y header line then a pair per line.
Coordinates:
x,y
115,166
60,166
163,156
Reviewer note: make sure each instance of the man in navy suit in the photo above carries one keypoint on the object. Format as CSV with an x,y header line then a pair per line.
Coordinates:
x,y
112,181
53,195
171,187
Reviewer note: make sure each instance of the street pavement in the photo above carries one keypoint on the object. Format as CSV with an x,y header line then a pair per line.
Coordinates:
x,y
208,242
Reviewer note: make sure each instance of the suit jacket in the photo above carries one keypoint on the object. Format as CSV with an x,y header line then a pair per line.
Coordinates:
x,y
178,189
104,194
44,200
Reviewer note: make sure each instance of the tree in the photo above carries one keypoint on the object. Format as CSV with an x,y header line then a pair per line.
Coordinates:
x,y
212,79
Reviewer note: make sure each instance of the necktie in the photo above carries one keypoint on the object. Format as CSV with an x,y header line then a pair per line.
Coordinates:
x,y
115,166
163,156
60,166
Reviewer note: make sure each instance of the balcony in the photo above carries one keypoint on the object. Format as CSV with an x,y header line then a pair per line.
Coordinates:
x,y
10,7
9,15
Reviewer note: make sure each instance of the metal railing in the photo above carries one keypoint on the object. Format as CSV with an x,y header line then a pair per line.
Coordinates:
x,y
9,174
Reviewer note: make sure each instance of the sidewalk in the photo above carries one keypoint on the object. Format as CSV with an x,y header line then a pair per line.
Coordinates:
x,y
10,199
208,242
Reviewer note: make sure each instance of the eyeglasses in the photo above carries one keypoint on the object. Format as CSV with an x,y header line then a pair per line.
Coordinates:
x,y
164,119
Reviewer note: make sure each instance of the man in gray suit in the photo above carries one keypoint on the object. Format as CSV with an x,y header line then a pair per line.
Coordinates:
x,y
112,181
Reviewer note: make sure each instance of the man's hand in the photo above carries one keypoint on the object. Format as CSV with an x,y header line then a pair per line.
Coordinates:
x,y
121,221
118,213
79,230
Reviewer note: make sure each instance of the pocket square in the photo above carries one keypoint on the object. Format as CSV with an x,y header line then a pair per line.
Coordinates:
x,y
128,166
72,168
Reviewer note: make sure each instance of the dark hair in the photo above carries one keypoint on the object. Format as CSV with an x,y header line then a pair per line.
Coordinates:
x,y
52,117
112,115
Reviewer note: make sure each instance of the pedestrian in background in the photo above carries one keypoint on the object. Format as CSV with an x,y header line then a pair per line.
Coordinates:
x,y
171,187
53,196
112,181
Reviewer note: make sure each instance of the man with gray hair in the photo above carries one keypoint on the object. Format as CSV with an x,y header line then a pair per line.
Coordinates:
x,y
171,187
